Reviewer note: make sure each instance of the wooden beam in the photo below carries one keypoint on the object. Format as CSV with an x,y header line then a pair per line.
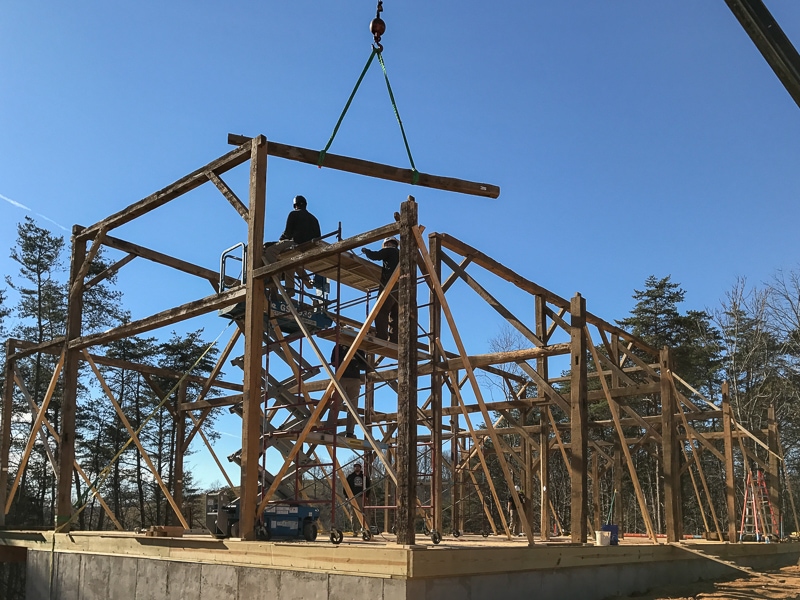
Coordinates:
x,y
478,257
229,195
578,417
5,427
433,280
670,456
195,179
730,486
326,251
163,259
255,303
162,319
405,513
377,170
69,401
435,325
774,472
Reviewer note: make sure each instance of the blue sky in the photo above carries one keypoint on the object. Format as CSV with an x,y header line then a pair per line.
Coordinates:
x,y
629,138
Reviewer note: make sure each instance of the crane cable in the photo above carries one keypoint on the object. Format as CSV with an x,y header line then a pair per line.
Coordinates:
x,y
377,28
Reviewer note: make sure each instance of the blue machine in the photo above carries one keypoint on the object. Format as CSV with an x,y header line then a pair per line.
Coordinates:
x,y
287,521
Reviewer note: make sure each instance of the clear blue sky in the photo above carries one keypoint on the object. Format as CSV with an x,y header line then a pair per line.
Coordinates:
x,y
629,138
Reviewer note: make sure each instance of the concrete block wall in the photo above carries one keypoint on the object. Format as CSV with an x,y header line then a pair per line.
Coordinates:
x,y
100,577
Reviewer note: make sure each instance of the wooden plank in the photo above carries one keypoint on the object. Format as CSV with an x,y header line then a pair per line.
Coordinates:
x,y
195,179
773,473
377,170
162,319
255,303
163,259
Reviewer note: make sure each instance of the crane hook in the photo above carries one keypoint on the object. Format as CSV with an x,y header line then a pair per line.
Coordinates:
x,y
378,27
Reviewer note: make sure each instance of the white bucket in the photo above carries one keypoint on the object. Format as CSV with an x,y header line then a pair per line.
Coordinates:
x,y
602,538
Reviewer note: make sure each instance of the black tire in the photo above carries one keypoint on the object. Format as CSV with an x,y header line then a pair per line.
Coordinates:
x,y
485,533
309,531
366,535
456,534
436,537
263,534
336,536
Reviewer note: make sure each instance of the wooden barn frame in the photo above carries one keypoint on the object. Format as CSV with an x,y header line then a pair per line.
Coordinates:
x,y
617,367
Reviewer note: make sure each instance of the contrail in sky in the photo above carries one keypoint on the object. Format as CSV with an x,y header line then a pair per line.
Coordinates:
x,y
23,207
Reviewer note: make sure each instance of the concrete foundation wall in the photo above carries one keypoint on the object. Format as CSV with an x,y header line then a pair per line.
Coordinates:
x,y
101,577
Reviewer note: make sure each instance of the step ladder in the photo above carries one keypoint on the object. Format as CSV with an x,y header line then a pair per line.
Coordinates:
x,y
758,517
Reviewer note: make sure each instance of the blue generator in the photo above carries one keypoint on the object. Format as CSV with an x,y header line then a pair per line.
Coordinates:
x,y
288,521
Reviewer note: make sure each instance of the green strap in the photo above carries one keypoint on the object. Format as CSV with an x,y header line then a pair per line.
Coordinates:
x,y
415,173
322,154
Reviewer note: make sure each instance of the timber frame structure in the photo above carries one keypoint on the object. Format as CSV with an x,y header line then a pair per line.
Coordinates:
x,y
542,416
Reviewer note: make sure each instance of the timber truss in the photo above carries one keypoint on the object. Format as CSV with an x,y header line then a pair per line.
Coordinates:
x,y
285,393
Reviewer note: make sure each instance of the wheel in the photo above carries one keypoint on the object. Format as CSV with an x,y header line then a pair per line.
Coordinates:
x,y
366,535
485,533
436,537
262,533
309,531
337,536
456,534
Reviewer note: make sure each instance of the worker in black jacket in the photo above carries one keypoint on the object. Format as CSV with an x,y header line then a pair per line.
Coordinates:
x,y
359,484
350,381
386,321
301,227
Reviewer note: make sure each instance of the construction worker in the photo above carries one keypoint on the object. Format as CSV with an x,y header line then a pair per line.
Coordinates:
x,y
359,485
350,381
514,521
301,227
386,321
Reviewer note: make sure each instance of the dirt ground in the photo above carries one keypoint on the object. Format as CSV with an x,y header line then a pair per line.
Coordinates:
x,y
782,585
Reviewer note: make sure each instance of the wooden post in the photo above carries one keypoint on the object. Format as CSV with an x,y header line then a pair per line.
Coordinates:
x,y
544,473
616,494
435,328
180,435
730,486
407,378
774,467
66,450
457,490
578,418
619,506
255,303
670,452
5,428
596,519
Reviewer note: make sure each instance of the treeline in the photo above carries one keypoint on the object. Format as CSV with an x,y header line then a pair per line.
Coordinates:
x,y
110,463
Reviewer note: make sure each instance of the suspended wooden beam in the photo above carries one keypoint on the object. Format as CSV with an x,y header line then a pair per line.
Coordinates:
x,y
377,170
